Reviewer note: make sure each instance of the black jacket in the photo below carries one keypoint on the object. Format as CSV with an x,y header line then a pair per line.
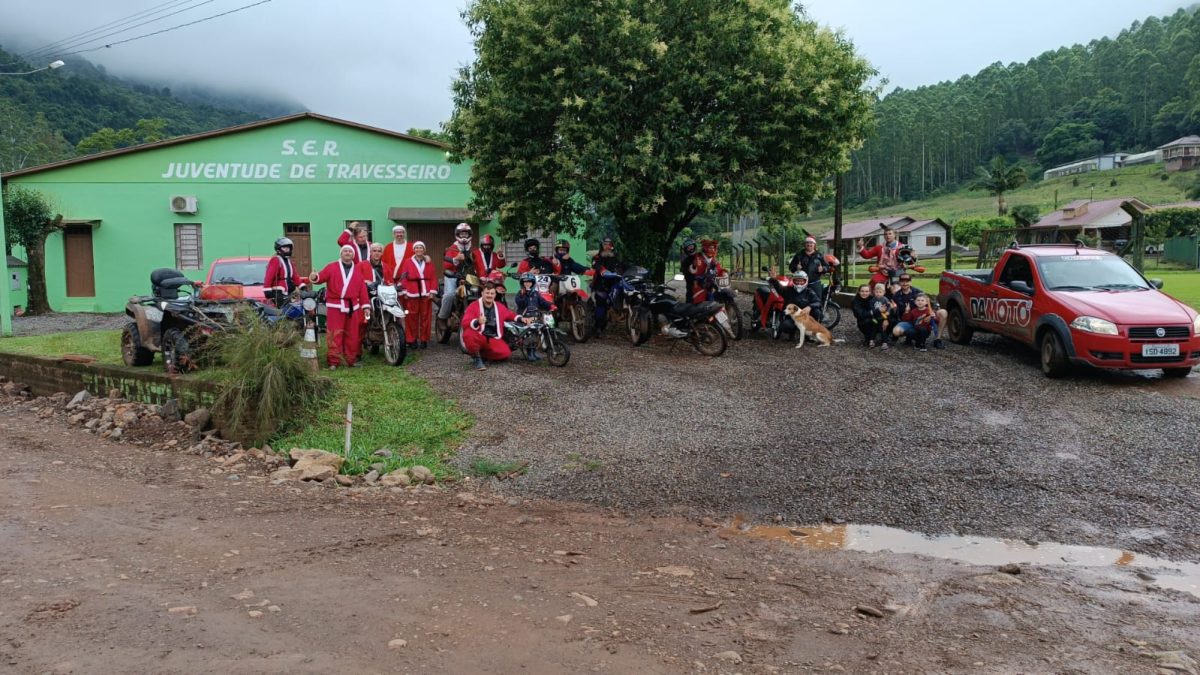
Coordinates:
x,y
571,266
806,297
861,308
813,265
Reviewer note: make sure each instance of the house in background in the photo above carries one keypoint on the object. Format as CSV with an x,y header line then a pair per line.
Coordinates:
x,y
1152,157
927,237
1181,154
1107,162
18,282
1108,219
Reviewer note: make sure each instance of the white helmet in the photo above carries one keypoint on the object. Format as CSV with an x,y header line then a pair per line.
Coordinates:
x,y
462,229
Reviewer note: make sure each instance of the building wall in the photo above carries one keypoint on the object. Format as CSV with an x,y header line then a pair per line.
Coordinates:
x,y
303,171
18,289
918,239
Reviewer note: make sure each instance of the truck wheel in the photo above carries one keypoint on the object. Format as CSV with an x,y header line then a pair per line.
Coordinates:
x,y
1054,355
1176,372
132,351
957,328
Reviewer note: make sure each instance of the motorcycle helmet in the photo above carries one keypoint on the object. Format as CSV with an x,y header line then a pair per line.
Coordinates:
x,y
905,255
562,246
689,247
462,232
709,246
832,260
534,244
529,278
487,243
282,243
800,278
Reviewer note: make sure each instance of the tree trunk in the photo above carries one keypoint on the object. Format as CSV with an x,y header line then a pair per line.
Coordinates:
x,y
38,303
1002,207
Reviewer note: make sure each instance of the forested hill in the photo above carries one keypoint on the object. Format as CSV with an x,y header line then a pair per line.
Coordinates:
x,y
44,116
1130,93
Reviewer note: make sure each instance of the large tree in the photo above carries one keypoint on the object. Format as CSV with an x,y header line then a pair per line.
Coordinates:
x,y
997,178
28,220
654,111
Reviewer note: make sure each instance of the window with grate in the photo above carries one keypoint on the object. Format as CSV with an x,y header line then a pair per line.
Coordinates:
x,y
189,248
933,241
515,250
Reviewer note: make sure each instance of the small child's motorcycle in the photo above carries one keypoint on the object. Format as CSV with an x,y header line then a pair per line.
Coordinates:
x,y
539,335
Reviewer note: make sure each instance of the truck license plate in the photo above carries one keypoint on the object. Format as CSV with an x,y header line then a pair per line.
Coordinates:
x,y
1160,350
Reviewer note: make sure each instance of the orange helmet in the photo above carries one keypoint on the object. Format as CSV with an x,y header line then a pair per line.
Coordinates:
x,y
709,246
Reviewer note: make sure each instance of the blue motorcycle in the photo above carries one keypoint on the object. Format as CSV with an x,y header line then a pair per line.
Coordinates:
x,y
626,292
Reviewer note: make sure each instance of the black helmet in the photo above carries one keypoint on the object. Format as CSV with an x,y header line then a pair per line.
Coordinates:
x,y
282,242
532,243
689,246
528,276
563,243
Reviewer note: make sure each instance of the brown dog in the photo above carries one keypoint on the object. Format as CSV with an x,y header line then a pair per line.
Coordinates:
x,y
808,325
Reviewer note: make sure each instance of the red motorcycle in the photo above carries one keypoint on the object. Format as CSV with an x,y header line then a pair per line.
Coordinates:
x,y
778,323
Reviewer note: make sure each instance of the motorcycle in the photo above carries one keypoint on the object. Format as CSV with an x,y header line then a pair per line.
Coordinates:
x,y
386,327
573,307
697,324
540,335
174,324
469,289
626,293
778,324
831,312
720,290
908,262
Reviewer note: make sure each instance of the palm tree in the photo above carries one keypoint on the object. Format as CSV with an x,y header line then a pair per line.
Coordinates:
x,y
997,178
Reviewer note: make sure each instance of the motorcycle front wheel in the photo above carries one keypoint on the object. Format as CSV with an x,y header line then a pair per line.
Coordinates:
x,y
577,316
641,325
831,315
735,320
394,347
708,339
555,349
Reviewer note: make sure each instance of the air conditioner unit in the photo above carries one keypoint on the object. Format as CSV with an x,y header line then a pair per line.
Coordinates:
x,y
183,204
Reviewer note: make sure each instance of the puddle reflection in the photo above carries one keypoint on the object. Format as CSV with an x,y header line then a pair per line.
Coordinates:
x,y
1183,576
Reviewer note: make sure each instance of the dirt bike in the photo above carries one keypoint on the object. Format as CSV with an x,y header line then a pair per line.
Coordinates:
x,y
468,291
174,324
539,335
831,312
719,289
695,323
386,327
626,292
573,310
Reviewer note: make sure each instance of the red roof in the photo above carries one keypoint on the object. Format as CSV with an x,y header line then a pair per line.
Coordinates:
x,y
865,228
1094,212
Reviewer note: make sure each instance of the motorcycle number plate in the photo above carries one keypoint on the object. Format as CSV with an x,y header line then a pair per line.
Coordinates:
x,y
722,282
723,317
569,284
543,283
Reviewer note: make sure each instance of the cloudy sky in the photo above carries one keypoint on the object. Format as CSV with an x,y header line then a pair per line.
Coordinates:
x,y
389,63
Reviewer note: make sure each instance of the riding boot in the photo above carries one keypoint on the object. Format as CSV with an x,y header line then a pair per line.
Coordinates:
x,y
531,354
444,327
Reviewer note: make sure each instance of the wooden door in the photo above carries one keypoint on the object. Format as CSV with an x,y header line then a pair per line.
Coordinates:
x,y
437,238
80,267
301,246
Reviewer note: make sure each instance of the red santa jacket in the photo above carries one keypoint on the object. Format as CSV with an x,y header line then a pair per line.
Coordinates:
x,y
452,251
700,265
344,292
417,279
473,318
279,271
361,251
484,265
394,256
367,270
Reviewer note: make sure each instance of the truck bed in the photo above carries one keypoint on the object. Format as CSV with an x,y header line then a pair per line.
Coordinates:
x,y
982,276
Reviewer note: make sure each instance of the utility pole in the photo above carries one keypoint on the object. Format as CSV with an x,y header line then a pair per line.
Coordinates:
x,y
838,196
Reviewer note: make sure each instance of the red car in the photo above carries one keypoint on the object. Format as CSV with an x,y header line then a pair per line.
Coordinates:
x,y
1075,305
236,278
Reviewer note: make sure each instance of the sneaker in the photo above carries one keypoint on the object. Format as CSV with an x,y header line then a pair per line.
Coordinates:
x,y
884,346
921,347
333,367
479,364
938,344
870,344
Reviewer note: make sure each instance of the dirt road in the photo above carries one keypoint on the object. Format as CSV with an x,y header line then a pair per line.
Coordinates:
x,y
120,559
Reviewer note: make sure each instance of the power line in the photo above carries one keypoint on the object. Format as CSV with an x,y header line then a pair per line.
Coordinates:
x,y
127,29
157,9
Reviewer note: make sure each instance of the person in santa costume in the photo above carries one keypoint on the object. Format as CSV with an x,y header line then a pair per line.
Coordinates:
x,y
483,328
357,237
372,268
281,278
700,266
394,255
418,281
487,258
347,308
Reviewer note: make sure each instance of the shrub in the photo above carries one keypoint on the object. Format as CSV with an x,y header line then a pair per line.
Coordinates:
x,y
269,384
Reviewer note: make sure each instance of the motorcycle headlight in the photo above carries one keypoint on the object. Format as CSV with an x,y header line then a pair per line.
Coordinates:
x,y
1091,324
309,304
1196,326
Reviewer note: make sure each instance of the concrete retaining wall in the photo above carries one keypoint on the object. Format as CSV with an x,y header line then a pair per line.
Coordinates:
x,y
47,376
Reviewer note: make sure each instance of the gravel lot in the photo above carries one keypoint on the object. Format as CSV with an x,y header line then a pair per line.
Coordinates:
x,y
970,440
60,323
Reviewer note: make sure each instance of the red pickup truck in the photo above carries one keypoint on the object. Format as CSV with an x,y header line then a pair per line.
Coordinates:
x,y
1075,305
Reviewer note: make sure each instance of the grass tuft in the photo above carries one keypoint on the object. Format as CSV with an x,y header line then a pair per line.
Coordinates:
x,y
485,467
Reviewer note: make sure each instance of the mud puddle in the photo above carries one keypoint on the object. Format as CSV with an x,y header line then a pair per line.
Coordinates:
x,y
987,551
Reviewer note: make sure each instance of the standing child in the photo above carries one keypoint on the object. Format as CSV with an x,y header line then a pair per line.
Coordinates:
x,y
418,281
882,309
921,317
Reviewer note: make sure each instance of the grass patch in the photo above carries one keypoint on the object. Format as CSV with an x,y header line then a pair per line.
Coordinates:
x,y
392,409
486,468
104,345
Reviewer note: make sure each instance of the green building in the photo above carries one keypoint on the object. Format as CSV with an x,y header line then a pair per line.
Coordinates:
x,y
187,201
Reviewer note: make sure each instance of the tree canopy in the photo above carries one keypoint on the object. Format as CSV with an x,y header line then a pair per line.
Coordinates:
x,y
997,178
28,219
653,112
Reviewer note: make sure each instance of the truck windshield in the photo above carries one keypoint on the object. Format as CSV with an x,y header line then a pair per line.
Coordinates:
x,y
243,272
1088,273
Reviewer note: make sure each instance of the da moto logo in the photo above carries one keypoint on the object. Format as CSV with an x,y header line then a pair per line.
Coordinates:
x,y
1002,311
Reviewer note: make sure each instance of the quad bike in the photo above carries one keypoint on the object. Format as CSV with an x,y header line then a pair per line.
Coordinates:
x,y
175,324
386,327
